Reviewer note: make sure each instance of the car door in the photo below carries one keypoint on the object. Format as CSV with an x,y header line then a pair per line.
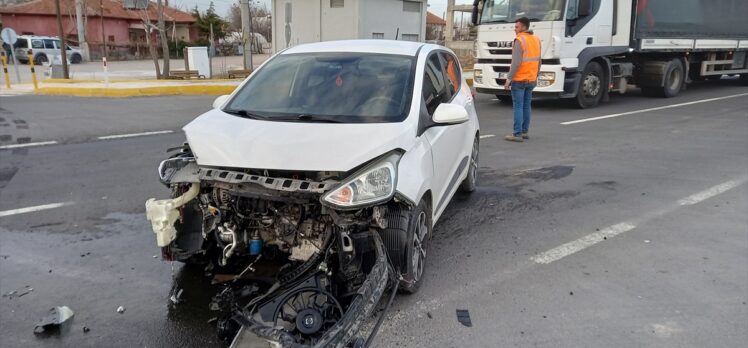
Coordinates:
x,y
447,141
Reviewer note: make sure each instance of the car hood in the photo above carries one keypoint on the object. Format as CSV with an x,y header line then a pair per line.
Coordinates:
x,y
223,140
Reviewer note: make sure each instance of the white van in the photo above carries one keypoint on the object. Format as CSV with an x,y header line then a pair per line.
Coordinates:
x,y
43,49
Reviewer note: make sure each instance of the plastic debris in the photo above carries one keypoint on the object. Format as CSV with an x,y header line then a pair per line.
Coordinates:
x,y
176,296
463,316
19,293
120,309
53,320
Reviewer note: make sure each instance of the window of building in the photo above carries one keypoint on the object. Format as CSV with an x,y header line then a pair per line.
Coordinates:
x,y
337,3
410,37
111,38
411,6
377,35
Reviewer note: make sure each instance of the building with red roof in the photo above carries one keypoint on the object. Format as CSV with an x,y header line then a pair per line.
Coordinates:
x,y
123,27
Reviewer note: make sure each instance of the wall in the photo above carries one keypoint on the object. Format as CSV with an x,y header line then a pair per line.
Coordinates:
x,y
339,23
386,16
300,25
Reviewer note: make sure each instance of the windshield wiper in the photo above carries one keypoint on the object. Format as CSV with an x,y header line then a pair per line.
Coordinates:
x,y
308,117
245,114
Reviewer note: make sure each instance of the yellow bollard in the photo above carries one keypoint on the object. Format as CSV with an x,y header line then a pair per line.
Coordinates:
x,y
5,70
33,73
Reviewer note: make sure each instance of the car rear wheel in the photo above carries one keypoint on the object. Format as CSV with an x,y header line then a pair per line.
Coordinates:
x,y
40,59
76,58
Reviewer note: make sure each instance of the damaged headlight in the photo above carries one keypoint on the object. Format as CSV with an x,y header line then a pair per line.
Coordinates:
x,y
375,183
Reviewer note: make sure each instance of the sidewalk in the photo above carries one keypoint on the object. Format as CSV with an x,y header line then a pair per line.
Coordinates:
x,y
128,88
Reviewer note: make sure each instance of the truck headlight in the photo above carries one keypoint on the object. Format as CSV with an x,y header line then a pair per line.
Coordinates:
x,y
374,183
546,78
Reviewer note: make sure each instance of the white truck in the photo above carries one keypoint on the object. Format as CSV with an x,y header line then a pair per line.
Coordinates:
x,y
593,47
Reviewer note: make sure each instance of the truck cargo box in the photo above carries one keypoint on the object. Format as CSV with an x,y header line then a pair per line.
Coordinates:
x,y
691,19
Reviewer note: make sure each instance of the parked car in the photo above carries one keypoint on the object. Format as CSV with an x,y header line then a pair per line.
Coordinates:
x,y
43,49
316,185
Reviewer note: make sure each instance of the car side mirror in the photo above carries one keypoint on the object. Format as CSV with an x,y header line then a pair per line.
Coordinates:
x,y
220,101
450,114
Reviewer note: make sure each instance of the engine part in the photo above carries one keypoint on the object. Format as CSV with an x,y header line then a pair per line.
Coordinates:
x,y
228,235
303,251
308,311
255,246
164,213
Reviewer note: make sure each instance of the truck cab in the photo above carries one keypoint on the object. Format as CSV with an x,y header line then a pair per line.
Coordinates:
x,y
592,47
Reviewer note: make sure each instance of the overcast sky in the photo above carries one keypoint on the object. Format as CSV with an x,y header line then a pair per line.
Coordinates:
x,y
437,7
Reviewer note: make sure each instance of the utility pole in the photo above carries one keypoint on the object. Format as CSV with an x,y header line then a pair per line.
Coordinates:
x,y
103,35
63,44
81,30
246,42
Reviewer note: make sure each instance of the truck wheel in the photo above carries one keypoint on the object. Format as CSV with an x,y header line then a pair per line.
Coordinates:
x,y
673,81
744,79
506,99
592,86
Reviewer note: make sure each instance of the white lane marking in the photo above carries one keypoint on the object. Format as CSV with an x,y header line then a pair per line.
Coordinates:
x,y
591,239
487,136
711,192
120,136
18,146
34,209
651,109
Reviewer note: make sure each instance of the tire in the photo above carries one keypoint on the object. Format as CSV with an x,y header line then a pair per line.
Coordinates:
x,y
419,234
592,86
399,239
76,59
744,79
471,181
673,81
40,59
506,99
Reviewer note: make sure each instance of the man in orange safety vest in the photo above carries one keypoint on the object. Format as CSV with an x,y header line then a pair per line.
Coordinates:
x,y
522,77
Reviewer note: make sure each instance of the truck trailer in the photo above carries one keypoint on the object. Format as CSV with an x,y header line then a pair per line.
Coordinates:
x,y
592,47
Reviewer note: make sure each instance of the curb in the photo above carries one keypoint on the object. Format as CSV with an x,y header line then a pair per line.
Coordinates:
x,y
136,92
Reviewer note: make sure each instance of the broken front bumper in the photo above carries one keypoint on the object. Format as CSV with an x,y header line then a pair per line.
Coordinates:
x,y
347,328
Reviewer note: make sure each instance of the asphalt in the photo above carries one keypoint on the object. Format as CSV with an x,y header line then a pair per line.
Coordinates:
x,y
678,278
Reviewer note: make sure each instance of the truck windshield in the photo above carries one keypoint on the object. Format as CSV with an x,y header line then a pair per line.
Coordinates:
x,y
508,11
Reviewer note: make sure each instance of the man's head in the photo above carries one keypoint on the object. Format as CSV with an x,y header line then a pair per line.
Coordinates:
x,y
521,25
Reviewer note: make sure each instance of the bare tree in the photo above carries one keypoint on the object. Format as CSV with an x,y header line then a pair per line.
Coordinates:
x,y
164,38
148,27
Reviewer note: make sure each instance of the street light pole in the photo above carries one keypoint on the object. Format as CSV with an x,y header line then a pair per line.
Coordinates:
x,y
63,44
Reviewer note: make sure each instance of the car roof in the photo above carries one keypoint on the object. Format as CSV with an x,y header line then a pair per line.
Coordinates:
x,y
406,48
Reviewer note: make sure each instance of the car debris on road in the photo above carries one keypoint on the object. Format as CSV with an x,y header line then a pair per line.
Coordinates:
x,y
56,317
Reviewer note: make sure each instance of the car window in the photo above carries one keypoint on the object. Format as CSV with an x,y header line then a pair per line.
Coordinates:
x,y
21,43
434,84
339,87
49,44
452,70
37,44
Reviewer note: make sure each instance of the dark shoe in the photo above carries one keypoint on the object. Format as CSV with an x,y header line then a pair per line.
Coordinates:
x,y
525,136
512,137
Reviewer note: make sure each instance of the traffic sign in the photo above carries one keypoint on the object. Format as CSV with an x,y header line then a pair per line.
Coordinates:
x,y
9,36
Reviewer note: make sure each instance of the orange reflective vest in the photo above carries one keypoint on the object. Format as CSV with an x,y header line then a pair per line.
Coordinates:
x,y
528,69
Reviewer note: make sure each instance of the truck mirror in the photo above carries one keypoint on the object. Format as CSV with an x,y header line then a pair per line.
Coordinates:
x,y
475,16
584,8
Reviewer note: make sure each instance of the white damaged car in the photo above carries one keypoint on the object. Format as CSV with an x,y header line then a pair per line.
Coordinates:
x,y
315,186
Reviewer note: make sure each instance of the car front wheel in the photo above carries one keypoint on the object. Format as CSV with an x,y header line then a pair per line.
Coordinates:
x,y
471,181
419,233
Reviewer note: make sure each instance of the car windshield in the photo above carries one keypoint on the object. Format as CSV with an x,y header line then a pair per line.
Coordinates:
x,y
508,11
328,87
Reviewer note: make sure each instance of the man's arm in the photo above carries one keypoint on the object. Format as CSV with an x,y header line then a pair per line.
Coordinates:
x,y
516,60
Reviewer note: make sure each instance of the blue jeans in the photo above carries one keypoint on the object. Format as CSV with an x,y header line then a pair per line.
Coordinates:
x,y
521,100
